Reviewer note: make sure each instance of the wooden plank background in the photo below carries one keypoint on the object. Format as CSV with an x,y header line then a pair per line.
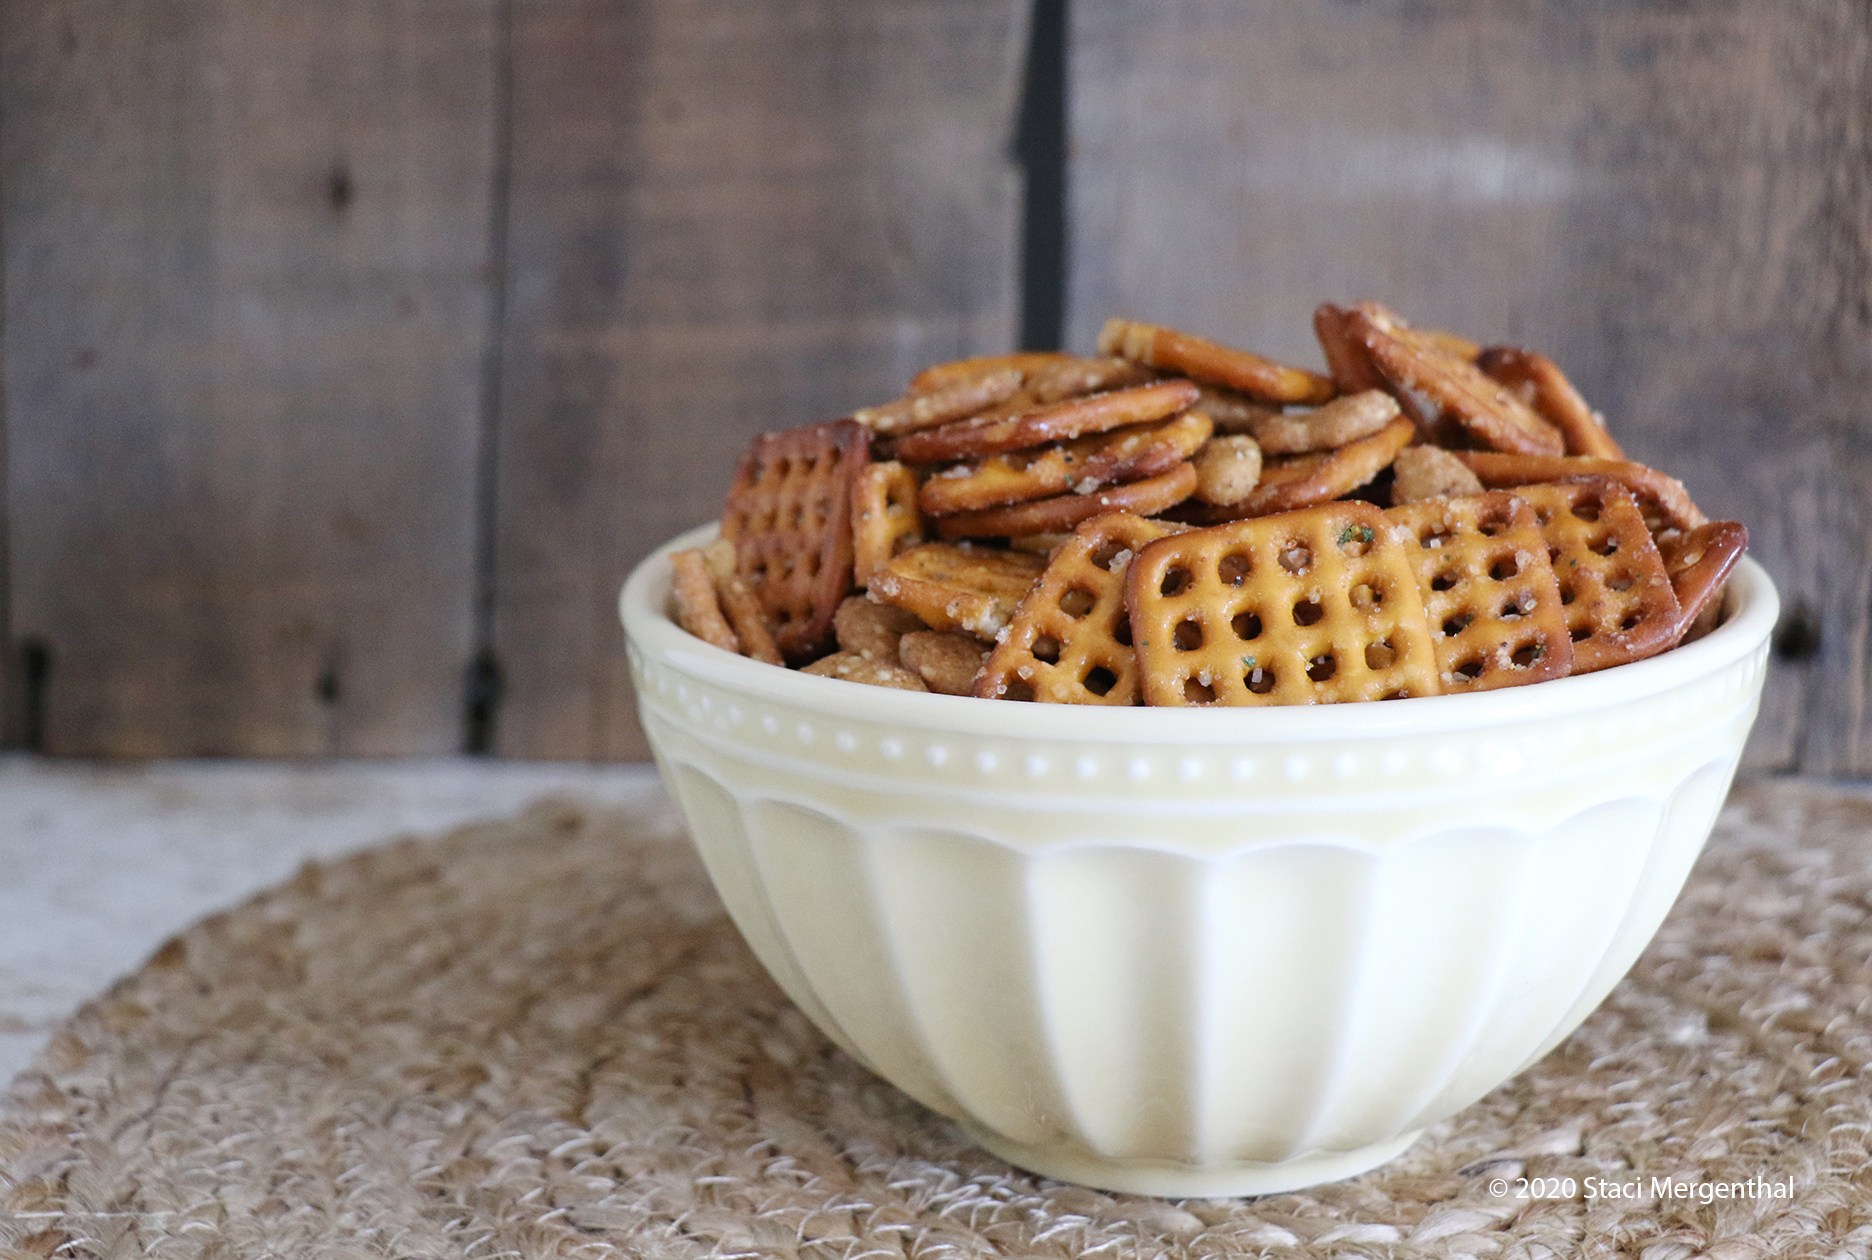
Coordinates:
x,y
1672,200
245,249
728,216
352,352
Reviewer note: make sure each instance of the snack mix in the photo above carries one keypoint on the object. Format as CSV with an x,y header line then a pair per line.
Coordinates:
x,y
1175,522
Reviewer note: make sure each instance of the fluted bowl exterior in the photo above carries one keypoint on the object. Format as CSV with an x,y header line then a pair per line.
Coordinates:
x,y
1197,951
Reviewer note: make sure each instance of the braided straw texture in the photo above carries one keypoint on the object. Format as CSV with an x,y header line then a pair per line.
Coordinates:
x,y
540,1038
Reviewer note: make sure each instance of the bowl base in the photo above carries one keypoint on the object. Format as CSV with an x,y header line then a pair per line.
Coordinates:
x,y
1187,1181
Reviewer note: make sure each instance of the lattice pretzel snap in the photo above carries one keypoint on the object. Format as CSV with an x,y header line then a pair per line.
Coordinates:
x,y
1618,595
1316,606
885,519
789,517
1070,640
1699,563
1543,386
1346,357
1663,499
1485,409
1035,486
1488,590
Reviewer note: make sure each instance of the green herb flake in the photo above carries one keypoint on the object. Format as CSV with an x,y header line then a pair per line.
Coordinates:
x,y
1248,662
1356,533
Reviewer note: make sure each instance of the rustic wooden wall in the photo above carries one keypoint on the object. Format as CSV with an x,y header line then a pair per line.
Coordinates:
x,y
246,303
353,352
728,216
1672,199
351,346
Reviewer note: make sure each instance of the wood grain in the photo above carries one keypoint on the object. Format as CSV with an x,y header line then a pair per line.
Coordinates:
x,y
251,253
1674,200
245,309
727,216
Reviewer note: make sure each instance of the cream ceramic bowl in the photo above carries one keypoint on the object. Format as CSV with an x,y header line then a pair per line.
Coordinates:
x,y
1197,952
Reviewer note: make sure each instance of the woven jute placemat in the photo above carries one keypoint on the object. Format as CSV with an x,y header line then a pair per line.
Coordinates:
x,y
541,1038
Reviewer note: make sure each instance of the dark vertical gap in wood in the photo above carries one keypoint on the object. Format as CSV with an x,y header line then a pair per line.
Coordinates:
x,y
1854,230
1797,641
12,666
483,685
1831,655
34,661
1040,148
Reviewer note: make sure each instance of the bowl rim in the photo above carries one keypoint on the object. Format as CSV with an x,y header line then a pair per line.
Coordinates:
x,y
1751,604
